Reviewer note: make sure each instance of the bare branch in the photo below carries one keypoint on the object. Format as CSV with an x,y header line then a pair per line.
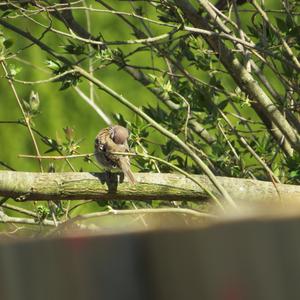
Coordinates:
x,y
25,186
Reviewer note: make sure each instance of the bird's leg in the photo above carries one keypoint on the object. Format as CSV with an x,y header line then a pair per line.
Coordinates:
x,y
121,177
108,176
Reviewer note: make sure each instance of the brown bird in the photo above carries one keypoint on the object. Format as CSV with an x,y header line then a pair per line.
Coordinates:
x,y
113,139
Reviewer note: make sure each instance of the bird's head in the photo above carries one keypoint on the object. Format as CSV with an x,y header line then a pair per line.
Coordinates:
x,y
119,134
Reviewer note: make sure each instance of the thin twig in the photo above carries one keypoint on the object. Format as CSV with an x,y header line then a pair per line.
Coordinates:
x,y
249,148
19,209
23,113
91,103
51,79
56,157
7,219
283,41
145,211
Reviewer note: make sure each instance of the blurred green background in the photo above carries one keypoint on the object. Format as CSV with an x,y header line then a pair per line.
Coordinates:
x,y
60,109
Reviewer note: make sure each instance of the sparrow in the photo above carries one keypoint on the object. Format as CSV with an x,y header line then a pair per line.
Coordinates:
x,y
113,139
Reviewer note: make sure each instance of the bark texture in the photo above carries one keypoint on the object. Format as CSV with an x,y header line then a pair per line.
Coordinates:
x,y
25,186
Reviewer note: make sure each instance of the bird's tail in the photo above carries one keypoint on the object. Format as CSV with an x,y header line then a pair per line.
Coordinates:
x,y
125,166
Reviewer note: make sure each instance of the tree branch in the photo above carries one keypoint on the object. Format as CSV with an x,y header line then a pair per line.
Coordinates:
x,y
26,186
241,76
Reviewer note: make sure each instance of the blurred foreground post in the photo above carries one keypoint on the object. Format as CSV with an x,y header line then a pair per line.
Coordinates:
x,y
247,259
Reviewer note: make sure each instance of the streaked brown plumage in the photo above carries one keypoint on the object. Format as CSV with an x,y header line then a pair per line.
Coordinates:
x,y
113,139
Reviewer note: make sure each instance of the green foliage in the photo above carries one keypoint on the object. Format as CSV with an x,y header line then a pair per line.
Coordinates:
x,y
42,212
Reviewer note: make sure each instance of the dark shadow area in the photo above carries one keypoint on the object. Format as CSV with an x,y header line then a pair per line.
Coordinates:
x,y
110,179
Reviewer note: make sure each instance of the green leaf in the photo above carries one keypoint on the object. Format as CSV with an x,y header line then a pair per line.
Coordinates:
x,y
294,174
42,212
14,70
53,65
281,25
8,43
34,101
223,104
73,48
295,34
69,133
289,21
121,120
6,13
